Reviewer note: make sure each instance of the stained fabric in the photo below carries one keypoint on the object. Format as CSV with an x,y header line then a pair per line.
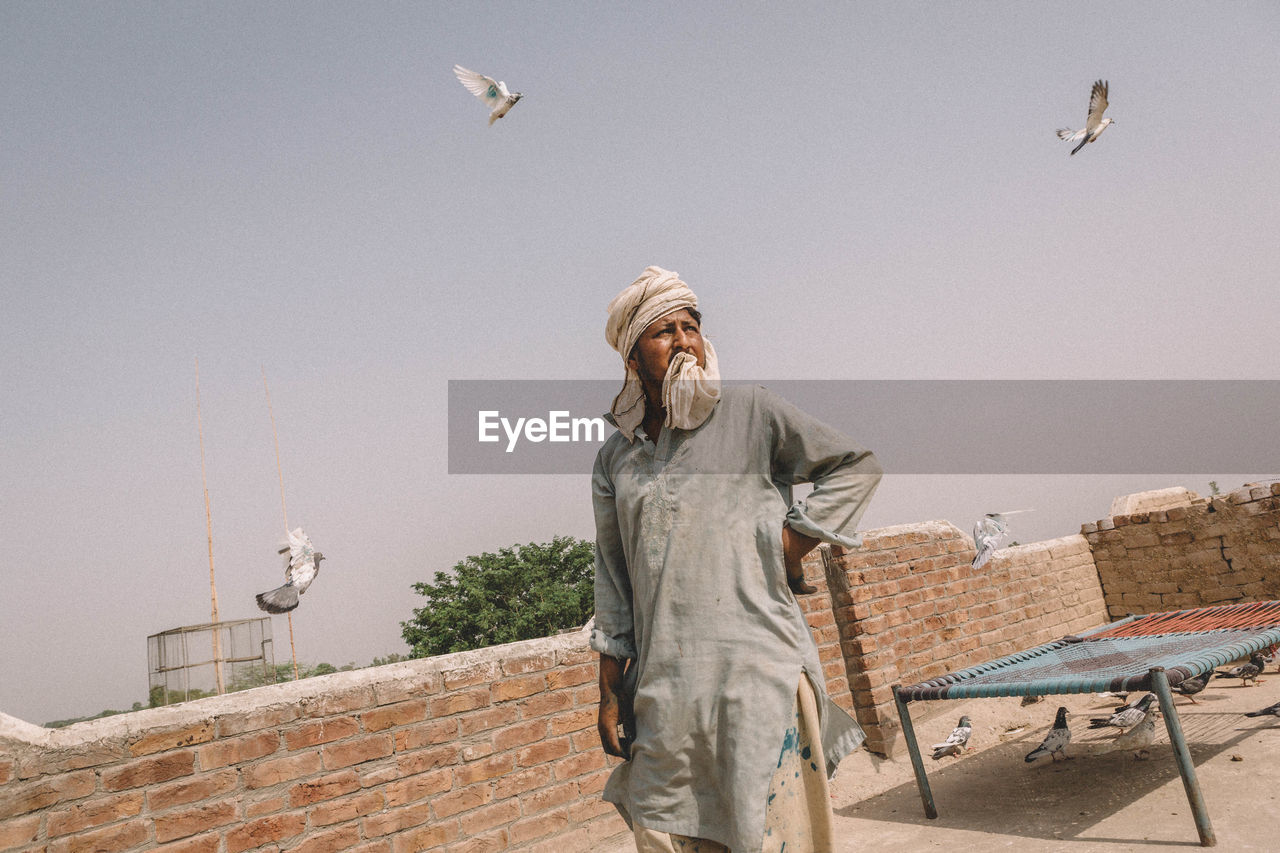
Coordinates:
x,y
690,584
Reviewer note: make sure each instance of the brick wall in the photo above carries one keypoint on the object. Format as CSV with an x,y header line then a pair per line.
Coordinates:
x,y
1206,551
488,750
908,606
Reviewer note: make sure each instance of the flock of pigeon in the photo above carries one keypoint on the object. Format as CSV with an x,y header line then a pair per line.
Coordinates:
x,y
500,101
1136,719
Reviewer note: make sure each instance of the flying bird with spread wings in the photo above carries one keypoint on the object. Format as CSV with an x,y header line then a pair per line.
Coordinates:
x,y
301,565
1094,124
492,92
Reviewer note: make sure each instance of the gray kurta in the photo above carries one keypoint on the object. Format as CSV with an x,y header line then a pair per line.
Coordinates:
x,y
690,583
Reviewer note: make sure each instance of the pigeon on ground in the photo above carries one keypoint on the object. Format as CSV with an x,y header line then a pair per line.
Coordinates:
x,y
1138,738
1094,124
1190,686
956,741
301,565
988,533
492,92
1126,716
1269,711
1246,672
1055,742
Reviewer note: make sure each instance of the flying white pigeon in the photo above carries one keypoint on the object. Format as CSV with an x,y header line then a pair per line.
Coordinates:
x,y
494,93
956,741
301,565
989,532
1094,124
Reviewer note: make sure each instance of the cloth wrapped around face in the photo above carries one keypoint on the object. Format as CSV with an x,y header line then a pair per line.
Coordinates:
x,y
689,392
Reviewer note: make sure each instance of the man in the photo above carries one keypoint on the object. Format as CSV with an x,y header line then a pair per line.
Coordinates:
x,y
710,683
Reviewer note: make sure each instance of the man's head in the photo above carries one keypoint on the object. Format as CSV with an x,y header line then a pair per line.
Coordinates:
x,y
674,333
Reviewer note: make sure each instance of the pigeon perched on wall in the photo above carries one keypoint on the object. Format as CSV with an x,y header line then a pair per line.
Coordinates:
x,y
1138,738
1190,686
1125,716
1269,711
492,92
956,741
301,565
1094,124
989,532
1055,742
1246,672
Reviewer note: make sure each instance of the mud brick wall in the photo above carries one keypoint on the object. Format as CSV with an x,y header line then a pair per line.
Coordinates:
x,y
908,606
1207,551
488,750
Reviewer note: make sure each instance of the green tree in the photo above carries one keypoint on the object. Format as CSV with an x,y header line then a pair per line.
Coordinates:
x,y
520,593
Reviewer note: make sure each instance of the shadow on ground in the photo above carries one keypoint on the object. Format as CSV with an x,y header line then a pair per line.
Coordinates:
x,y
996,792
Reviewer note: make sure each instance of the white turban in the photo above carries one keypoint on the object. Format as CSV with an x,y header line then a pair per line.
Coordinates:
x,y
689,392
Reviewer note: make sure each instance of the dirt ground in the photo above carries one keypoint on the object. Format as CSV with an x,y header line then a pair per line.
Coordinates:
x,y
991,799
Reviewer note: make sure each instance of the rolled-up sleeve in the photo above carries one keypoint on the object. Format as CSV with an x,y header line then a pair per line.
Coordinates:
x,y
843,473
614,630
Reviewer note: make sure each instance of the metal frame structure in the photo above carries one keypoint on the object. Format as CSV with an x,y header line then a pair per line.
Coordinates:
x,y
1153,653
202,659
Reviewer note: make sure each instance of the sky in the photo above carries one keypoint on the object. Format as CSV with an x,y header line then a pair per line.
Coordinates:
x,y
303,191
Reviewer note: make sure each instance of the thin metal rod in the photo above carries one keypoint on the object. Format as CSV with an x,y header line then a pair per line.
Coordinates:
x,y
1160,686
917,764
208,521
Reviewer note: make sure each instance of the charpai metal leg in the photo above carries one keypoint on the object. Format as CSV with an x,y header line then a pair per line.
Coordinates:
x,y
1160,685
922,781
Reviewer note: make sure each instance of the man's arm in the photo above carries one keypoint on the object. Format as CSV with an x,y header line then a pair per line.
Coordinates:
x,y
615,707
795,546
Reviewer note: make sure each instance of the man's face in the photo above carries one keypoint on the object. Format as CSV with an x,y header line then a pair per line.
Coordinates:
x,y
673,333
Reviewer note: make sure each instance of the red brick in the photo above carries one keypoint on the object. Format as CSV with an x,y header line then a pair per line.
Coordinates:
x,y
529,662
541,753
94,812
400,714
423,760
426,838
238,750
357,751
519,735
276,770
324,788
53,762
380,846
485,672
150,771
18,831
431,732
261,806
339,838
572,676
191,821
548,798
533,828
21,798
165,740
478,771
576,765
191,790
462,800
521,780
488,719
574,721
458,703
334,704
109,839
581,654
210,842
545,703
494,841
347,808
321,731
481,819
518,687
397,820
249,721
255,833
418,787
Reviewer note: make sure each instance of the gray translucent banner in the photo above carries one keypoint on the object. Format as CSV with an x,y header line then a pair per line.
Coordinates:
x,y
916,426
